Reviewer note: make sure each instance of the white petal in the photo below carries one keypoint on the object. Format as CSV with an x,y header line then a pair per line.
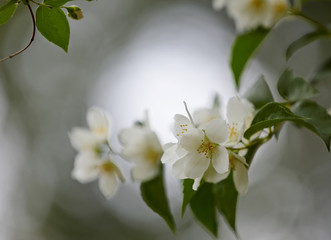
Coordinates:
x,y
144,171
98,122
205,115
170,153
181,126
195,165
178,169
240,177
220,160
214,177
219,4
192,140
85,167
196,183
83,139
217,131
108,184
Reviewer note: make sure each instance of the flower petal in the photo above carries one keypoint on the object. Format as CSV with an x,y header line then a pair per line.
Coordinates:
x,y
220,160
205,115
192,140
178,169
85,167
219,4
195,165
83,139
196,183
217,131
240,177
181,126
108,184
170,153
144,171
214,177
98,122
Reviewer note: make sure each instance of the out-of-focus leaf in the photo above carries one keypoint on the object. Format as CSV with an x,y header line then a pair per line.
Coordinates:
x,y
259,94
56,3
52,23
317,116
203,208
303,41
243,49
226,197
273,114
295,88
7,11
323,72
154,195
188,193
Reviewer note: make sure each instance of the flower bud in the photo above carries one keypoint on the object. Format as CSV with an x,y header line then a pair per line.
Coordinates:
x,y
75,12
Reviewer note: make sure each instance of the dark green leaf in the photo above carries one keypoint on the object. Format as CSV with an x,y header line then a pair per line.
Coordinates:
x,y
154,195
259,94
294,88
188,193
226,197
273,114
203,208
317,116
323,72
7,11
52,23
303,41
243,49
56,3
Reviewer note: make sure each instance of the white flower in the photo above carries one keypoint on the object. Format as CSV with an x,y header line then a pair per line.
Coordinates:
x,y
329,111
141,146
250,14
99,128
240,114
219,4
204,148
88,167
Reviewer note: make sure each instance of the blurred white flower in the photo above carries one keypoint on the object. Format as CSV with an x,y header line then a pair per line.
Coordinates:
x,y
88,167
250,14
329,111
83,139
141,146
240,114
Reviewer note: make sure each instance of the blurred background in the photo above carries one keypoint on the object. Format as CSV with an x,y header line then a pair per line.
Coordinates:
x,y
135,55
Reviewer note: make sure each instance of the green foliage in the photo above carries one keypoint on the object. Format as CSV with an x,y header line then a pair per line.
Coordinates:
x,y
53,25
318,117
259,94
226,197
154,195
188,193
7,11
203,208
273,114
303,41
56,3
244,47
295,88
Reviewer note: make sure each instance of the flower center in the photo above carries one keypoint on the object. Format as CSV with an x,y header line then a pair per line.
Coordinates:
x,y
257,4
207,148
100,131
184,129
152,156
107,167
280,8
233,132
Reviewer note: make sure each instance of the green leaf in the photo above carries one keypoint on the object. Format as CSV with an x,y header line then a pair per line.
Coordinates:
x,y
317,116
188,193
273,114
303,41
52,23
56,3
203,208
154,195
7,11
259,94
243,49
323,72
226,197
295,88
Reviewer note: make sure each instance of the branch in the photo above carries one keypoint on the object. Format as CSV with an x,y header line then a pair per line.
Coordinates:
x,y
32,37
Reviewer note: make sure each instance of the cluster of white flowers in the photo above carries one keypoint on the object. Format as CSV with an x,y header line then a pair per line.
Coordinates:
x,y
94,158
250,14
204,143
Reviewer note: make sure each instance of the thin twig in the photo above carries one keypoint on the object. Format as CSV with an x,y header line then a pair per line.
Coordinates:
x,y
32,37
